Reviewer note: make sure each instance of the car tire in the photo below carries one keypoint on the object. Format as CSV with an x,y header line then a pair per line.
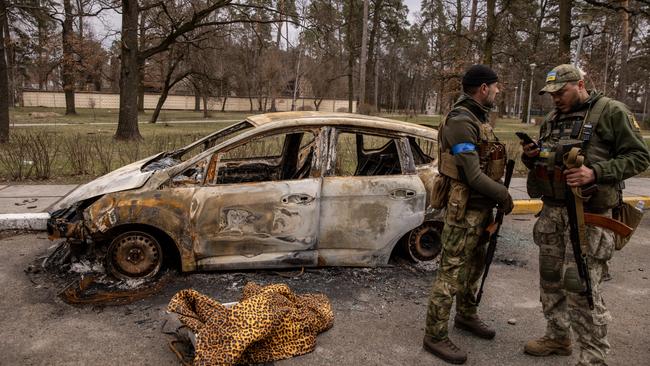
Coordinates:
x,y
134,255
423,243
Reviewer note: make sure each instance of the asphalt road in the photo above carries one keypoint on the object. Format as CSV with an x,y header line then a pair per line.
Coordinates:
x,y
379,313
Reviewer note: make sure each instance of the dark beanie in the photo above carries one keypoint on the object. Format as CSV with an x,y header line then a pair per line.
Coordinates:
x,y
479,74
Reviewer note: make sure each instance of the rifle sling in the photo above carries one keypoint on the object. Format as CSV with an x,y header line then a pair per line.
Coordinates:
x,y
573,159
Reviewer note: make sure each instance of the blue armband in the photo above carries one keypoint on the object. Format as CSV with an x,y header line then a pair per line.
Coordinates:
x,y
462,147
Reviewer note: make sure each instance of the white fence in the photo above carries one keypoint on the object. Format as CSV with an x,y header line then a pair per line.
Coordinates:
x,y
179,102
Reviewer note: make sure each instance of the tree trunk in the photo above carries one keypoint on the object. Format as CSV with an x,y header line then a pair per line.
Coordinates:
x,y
376,93
373,45
197,102
11,61
68,64
161,101
4,81
472,18
491,31
364,55
350,56
142,44
621,91
564,54
206,114
80,14
317,103
127,125
223,104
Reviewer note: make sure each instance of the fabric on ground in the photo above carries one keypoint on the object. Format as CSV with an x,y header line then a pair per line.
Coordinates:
x,y
269,323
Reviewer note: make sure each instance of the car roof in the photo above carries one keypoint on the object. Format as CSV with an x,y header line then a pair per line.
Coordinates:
x,y
276,120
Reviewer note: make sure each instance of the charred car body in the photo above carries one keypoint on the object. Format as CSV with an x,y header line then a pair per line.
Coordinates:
x,y
273,191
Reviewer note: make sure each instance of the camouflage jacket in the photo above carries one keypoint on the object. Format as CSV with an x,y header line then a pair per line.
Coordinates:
x,y
460,129
619,140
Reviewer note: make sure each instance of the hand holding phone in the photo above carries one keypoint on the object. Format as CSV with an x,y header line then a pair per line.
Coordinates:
x,y
527,140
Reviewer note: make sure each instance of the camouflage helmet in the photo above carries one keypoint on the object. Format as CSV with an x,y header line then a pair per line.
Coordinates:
x,y
557,78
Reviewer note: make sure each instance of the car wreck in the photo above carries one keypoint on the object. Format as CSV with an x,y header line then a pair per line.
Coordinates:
x,y
279,190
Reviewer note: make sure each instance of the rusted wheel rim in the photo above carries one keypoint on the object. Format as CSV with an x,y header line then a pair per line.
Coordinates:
x,y
424,242
135,255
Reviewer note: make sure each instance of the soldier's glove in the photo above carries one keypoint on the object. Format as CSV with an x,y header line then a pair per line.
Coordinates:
x,y
507,205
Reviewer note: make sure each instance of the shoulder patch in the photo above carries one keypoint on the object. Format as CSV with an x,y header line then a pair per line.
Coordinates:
x,y
633,122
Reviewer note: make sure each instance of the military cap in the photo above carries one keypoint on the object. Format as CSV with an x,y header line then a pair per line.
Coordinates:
x,y
557,78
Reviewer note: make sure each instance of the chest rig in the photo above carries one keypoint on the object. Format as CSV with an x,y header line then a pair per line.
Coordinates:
x,y
558,134
492,153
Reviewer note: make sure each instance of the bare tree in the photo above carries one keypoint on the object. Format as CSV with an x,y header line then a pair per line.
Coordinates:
x,y
564,53
364,55
68,63
4,81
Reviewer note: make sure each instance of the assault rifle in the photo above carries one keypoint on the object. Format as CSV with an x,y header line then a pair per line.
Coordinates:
x,y
493,231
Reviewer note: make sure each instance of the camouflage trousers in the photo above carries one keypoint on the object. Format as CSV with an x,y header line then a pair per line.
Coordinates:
x,y
461,266
564,307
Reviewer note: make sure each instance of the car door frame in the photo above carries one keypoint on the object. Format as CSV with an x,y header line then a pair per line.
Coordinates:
x,y
353,233
234,222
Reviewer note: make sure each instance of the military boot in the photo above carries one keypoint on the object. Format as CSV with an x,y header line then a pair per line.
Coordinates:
x,y
475,326
445,350
546,346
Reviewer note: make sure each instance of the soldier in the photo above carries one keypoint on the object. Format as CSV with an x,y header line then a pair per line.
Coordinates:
x,y
614,150
474,161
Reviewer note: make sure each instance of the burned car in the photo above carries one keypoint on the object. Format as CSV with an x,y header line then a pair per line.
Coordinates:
x,y
279,190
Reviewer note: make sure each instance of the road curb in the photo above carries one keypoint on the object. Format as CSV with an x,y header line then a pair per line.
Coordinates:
x,y
526,207
26,221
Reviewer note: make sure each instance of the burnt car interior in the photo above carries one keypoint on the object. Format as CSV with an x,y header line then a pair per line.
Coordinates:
x,y
279,157
381,161
290,156
422,150
361,154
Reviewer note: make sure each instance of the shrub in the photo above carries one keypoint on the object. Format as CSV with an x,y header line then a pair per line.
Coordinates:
x,y
14,157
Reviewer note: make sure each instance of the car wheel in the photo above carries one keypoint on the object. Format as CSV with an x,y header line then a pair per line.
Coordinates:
x,y
423,243
134,255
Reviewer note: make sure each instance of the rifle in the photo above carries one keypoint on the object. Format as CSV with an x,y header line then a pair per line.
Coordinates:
x,y
578,230
618,227
493,232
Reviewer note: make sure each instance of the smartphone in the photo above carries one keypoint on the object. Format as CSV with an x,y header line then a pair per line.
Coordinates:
x,y
526,139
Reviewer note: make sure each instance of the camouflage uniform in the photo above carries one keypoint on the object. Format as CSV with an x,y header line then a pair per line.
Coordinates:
x,y
461,266
614,150
563,306
472,197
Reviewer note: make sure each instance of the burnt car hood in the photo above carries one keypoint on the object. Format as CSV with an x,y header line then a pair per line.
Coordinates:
x,y
127,177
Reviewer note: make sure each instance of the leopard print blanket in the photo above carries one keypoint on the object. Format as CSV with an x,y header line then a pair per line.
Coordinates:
x,y
269,323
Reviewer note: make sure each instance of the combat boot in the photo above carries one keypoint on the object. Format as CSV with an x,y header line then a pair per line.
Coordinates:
x,y
475,326
445,349
546,346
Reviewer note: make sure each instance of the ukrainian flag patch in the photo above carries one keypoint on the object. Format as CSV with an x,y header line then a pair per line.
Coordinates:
x,y
551,76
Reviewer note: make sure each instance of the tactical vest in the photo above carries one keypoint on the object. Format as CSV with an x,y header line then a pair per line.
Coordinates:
x,y
546,180
492,153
